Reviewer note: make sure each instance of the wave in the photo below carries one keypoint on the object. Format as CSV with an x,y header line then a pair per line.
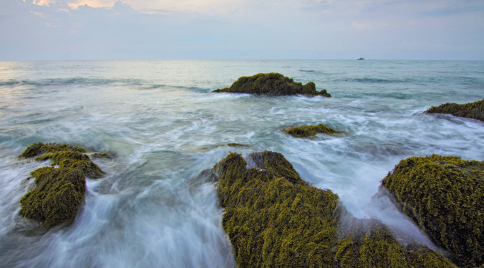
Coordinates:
x,y
69,81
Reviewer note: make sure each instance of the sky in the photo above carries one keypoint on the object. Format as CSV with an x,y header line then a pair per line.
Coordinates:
x,y
241,29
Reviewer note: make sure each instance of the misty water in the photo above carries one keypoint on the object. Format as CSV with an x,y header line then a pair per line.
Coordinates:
x,y
156,206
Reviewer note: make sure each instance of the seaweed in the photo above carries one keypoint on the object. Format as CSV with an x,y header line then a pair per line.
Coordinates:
x,y
58,192
42,148
273,218
473,110
56,197
308,131
272,84
272,221
101,155
444,195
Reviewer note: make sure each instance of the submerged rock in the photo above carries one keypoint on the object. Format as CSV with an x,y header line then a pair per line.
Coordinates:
x,y
444,195
307,131
58,192
275,219
473,110
272,84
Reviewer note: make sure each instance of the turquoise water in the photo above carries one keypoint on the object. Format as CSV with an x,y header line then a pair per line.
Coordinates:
x,y
155,207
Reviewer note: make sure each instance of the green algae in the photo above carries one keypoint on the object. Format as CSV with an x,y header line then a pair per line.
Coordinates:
x,y
370,243
308,131
42,148
58,194
275,219
444,195
59,191
272,84
473,110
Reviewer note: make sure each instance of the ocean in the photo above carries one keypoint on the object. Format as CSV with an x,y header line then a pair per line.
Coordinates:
x,y
155,207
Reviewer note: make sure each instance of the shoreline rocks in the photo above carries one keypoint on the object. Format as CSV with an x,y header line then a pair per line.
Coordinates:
x,y
59,191
444,196
308,131
473,110
275,219
274,84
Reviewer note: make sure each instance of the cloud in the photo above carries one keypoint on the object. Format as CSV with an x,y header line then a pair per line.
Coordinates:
x,y
143,29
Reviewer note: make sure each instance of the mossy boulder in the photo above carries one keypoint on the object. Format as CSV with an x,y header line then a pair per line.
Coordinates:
x,y
444,195
272,84
275,219
309,131
369,243
473,110
59,191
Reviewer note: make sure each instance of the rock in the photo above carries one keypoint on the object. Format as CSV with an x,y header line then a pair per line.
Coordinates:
x,y
275,219
444,195
58,192
308,131
473,110
272,84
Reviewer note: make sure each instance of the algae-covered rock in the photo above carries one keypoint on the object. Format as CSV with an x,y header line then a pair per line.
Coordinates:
x,y
473,110
56,197
444,195
59,191
272,217
369,243
42,148
275,219
308,131
272,84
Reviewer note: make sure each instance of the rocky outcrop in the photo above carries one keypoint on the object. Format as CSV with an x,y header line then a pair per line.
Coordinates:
x,y
309,131
275,219
272,84
444,195
473,110
59,190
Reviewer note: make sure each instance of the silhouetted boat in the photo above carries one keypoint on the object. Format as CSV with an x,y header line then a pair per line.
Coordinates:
x,y
361,59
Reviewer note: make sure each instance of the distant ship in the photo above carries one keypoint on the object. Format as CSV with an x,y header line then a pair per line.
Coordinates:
x,y
361,59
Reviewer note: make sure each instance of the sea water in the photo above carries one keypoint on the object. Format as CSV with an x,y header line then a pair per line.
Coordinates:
x,y
156,207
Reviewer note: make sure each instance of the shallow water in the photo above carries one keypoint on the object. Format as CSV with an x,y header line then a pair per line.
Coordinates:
x,y
155,206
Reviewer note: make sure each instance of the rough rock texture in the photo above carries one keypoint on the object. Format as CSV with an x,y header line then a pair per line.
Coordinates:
x,y
473,110
275,219
444,195
58,192
308,131
272,84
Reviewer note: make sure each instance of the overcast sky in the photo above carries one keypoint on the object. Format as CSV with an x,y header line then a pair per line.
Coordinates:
x,y
241,29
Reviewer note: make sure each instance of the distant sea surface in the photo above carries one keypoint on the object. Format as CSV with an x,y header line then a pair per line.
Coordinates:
x,y
155,206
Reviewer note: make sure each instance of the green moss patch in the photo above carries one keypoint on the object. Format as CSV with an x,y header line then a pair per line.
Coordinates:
x,y
473,110
444,195
56,197
309,131
59,191
42,148
275,219
272,84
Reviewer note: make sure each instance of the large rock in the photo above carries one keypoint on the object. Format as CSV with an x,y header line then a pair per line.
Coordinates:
x,y
272,84
59,191
444,195
275,219
473,110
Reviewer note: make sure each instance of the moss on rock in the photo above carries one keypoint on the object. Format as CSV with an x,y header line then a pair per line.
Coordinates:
x,y
473,110
58,192
275,219
308,131
444,195
272,84
56,197
42,148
